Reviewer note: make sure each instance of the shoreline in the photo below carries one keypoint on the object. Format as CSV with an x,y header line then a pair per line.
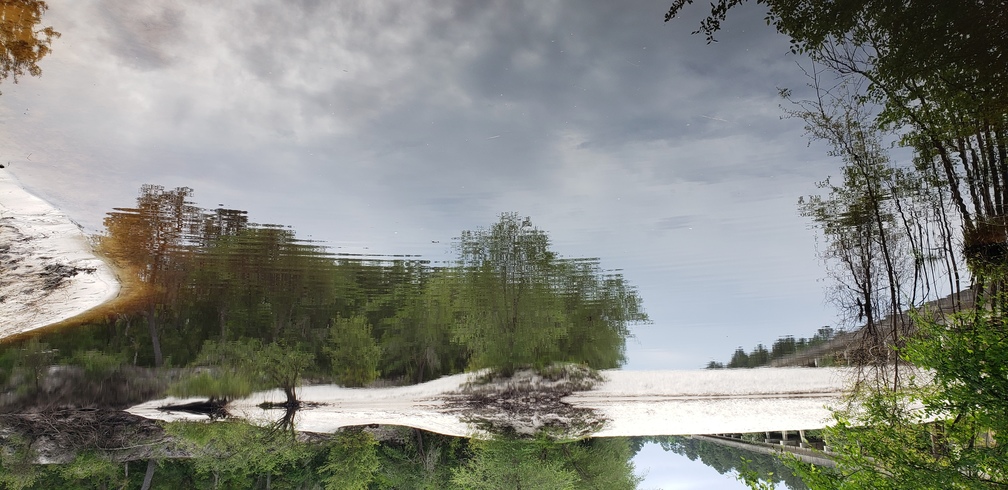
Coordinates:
x,y
632,403
49,271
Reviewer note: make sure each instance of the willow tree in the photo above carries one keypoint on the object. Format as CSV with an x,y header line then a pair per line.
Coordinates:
x,y
512,318
522,305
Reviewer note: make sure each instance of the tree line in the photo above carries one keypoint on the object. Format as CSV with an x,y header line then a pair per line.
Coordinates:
x,y
781,348
268,309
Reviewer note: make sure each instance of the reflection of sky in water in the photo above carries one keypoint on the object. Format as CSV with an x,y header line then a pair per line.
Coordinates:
x,y
390,128
385,126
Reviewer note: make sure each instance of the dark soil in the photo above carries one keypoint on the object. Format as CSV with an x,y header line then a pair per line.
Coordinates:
x,y
527,405
57,435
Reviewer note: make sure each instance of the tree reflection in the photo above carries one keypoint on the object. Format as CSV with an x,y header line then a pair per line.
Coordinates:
x,y
249,307
22,42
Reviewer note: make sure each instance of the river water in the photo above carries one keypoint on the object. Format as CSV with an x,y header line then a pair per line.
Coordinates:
x,y
384,130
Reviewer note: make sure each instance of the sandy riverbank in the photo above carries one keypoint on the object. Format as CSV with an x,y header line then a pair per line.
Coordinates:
x,y
48,269
634,403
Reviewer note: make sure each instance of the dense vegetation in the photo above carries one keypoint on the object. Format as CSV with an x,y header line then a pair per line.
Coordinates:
x,y
249,307
237,455
261,308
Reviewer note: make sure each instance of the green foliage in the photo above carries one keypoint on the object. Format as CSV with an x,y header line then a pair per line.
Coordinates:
x,y
91,470
30,361
782,347
603,464
753,479
419,340
502,464
259,307
17,468
937,431
96,363
235,453
351,462
354,353
224,385
523,306
243,365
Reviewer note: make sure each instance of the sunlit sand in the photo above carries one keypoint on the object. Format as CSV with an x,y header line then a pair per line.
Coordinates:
x,y
48,269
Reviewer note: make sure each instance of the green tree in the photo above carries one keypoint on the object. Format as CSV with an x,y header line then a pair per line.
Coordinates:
x,y
938,430
353,352
241,365
236,454
351,462
506,464
739,359
418,341
522,305
512,316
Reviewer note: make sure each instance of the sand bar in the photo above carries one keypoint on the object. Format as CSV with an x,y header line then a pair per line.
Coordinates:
x,y
635,403
48,269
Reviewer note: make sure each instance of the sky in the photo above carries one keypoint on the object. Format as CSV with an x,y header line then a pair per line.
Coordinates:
x,y
388,127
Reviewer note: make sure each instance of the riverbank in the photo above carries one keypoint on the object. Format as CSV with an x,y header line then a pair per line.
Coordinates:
x,y
49,272
631,403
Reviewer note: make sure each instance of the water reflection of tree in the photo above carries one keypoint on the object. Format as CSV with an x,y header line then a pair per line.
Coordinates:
x,y
509,301
150,241
22,42
525,306
725,459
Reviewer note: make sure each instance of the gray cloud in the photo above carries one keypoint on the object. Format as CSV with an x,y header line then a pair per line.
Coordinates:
x,y
391,124
142,34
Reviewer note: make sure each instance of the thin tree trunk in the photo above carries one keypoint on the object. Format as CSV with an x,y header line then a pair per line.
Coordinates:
x,y
155,341
149,475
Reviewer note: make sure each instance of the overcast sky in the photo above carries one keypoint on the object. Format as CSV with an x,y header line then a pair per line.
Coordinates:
x,y
386,126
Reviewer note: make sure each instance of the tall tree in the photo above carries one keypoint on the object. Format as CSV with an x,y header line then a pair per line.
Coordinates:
x,y
521,304
513,317
154,241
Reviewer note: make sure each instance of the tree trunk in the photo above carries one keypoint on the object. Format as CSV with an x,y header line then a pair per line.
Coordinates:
x,y
149,476
155,341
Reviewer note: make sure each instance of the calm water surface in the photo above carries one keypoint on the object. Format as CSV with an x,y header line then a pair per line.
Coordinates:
x,y
385,130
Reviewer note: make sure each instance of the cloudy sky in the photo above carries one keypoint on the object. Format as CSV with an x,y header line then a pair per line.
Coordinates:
x,y
386,126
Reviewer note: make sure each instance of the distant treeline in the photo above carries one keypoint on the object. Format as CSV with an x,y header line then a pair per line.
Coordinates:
x,y
204,286
783,347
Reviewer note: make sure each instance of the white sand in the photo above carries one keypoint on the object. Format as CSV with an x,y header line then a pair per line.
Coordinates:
x,y
635,402
715,401
34,235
